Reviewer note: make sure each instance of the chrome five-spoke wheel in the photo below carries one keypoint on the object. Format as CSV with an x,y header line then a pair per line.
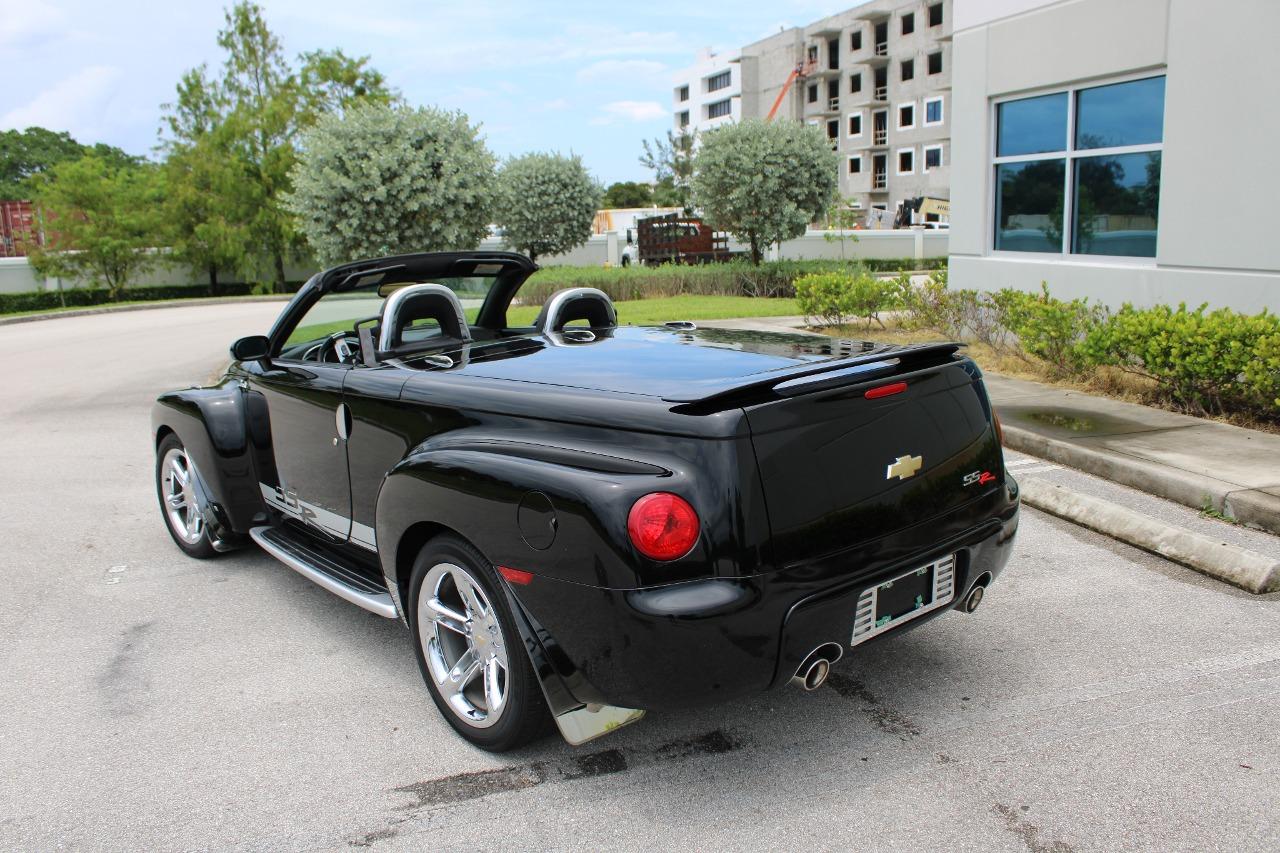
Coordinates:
x,y
178,495
463,644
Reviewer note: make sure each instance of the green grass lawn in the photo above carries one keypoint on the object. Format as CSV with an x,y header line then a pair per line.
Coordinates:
x,y
639,312
647,312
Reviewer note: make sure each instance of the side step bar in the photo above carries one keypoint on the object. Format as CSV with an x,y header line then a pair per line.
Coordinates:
x,y
324,570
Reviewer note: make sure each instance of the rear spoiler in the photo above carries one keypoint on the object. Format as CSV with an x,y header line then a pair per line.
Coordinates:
x,y
806,379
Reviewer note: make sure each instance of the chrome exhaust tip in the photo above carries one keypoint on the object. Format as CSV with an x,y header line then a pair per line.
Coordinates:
x,y
975,598
816,675
813,673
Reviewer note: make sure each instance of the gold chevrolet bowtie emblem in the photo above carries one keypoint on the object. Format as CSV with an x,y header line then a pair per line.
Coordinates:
x,y
904,467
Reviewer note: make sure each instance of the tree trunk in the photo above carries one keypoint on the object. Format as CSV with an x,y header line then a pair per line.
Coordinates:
x,y
755,248
213,279
533,256
279,262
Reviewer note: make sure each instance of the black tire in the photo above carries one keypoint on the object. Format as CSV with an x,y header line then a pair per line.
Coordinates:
x,y
192,544
524,717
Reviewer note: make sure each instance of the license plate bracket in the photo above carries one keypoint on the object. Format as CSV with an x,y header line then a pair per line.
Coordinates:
x,y
904,597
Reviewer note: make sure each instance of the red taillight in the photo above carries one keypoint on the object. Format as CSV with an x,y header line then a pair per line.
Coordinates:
x,y
662,526
885,390
999,430
515,575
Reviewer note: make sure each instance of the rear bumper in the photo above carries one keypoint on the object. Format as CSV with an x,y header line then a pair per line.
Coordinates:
x,y
700,642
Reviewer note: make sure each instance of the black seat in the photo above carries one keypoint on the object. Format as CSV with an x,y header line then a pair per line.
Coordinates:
x,y
413,304
576,303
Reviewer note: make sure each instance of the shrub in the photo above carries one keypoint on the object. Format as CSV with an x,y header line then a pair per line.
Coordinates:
x,y
833,297
86,297
773,278
1048,328
1206,362
957,314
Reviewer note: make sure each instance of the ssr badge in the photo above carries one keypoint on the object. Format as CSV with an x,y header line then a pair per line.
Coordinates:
x,y
978,478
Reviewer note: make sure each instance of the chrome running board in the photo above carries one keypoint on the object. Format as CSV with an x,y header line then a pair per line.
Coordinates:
x,y
324,570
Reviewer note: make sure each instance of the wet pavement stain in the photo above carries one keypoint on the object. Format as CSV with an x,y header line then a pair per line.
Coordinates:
x,y
889,720
1027,831
461,787
120,683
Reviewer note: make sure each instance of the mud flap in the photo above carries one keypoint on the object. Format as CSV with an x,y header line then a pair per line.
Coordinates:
x,y
577,721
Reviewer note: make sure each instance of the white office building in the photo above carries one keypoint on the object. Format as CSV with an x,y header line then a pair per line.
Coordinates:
x,y
1116,150
708,93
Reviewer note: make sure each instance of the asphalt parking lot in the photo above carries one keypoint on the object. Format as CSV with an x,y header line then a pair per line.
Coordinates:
x,y
1101,698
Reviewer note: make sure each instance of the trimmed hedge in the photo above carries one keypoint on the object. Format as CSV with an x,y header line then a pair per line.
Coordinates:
x,y
87,297
739,278
1201,361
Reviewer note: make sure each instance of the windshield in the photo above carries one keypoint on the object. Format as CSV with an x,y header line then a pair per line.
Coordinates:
x,y
339,312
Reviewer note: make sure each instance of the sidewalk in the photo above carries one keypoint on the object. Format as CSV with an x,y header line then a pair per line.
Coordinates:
x,y
1203,464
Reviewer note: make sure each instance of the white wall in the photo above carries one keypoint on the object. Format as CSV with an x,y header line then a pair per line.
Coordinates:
x,y
1216,197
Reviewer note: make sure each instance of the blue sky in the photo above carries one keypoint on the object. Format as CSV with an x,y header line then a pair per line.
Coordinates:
x,y
592,78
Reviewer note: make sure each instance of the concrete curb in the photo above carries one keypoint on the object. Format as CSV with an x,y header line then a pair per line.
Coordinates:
x,y
144,306
1257,509
1249,570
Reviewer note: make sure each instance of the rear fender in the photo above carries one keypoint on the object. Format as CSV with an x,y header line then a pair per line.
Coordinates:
x,y
494,492
212,425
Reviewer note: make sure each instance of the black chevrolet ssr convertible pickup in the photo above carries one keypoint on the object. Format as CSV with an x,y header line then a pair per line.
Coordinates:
x,y
579,521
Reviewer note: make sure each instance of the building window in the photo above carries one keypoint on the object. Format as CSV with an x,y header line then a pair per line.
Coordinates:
x,y
907,69
908,23
716,82
833,54
813,93
906,116
932,111
906,161
683,93
932,157
855,125
683,118
719,109
813,53
1078,172
855,165
833,129
855,82
935,15
855,41
935,63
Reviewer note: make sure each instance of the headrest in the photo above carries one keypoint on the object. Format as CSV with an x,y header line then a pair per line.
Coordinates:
x,y
415,302
576,303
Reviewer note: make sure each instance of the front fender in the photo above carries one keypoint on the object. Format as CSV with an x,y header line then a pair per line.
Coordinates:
x,y
214,427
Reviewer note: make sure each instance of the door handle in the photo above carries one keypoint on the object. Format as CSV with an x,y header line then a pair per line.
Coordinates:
x,y
342,419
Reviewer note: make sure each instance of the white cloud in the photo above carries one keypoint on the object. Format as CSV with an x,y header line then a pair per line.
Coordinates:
x,y
24,20
622,71
78,104
634,111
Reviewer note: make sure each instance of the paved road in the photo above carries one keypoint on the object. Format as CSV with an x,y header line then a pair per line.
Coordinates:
x,y
1101,698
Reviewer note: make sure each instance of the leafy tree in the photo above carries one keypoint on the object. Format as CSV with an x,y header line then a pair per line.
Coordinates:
x,y
671,160
665,194
259,106
546,203
210,198
331,82
381,180
24,154
101,220
628,194
763,182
